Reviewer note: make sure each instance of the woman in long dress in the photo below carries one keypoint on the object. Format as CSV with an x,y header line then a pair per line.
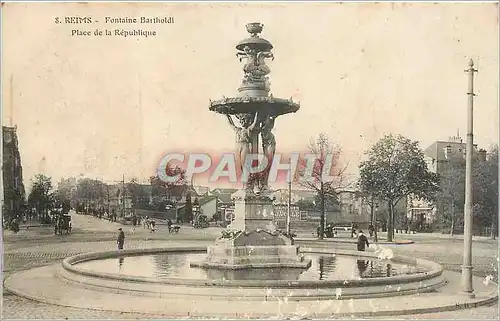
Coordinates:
x,y
269,148
244,138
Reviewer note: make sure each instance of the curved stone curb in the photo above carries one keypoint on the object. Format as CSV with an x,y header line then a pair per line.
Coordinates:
x,y
45,288
350,241
432,276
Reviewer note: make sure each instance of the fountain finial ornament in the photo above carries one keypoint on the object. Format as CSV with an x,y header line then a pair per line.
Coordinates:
x,y
255,50
254,28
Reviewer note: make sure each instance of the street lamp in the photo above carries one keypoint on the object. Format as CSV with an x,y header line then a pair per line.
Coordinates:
x,y
288,213
467,287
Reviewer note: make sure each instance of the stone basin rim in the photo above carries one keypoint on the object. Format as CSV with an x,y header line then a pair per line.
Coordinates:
x,y
236,105
435,270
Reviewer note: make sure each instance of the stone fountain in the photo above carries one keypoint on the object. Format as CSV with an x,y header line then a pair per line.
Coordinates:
x,y
252,239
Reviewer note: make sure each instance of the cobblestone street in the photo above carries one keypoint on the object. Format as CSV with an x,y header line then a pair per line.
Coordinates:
x,y
37,247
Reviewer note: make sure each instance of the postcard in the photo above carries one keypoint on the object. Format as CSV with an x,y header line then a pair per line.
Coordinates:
x,y
258,160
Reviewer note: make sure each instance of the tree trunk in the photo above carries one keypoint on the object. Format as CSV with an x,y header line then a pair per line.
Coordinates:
x,y
493,228
322,217
452,228
390,228
372,211
393,220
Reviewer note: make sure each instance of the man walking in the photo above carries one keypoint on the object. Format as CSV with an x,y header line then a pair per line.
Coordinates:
x,y
362,241
169,225
371,229
121,239
353,229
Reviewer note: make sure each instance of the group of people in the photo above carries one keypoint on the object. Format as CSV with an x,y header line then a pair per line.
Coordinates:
x,y
12,224
354,228
147,223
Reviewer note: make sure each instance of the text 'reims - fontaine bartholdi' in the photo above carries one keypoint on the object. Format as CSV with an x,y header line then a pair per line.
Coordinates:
x,y
139,20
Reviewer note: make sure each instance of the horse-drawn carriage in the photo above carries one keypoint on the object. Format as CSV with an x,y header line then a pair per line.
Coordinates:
x,y
62,224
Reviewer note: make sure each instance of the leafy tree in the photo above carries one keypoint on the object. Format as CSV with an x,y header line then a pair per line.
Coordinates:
x,y
450,200
485,194
331,201
164,193
40,196
188,208
158,203
137,192
64,194
169,189
326,164
91,192
395,169
305,204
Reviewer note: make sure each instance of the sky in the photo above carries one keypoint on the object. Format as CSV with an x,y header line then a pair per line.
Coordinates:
x,y
103,107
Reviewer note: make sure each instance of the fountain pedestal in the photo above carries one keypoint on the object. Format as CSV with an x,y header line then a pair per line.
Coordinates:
x,y
252,241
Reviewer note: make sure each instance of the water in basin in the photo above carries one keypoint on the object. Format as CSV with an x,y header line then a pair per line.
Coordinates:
x,y
324,267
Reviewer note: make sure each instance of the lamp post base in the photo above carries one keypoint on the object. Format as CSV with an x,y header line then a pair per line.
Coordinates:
x,y
470,295
467,287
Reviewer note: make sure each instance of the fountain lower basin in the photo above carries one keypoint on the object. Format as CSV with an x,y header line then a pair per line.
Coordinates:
x,y
73,270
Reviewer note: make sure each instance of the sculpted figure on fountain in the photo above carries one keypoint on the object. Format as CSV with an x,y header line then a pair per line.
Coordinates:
x,y
269,148
255,68
244,138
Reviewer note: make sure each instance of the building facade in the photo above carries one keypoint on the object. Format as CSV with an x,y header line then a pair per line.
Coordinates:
x,y
13,187
438,156
353,208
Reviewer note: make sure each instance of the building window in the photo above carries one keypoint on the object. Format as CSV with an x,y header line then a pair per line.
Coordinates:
x,y
447,151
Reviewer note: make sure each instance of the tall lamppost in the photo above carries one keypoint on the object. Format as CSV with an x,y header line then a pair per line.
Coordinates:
x,y
467,256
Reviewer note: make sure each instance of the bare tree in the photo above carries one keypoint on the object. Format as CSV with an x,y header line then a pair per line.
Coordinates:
x,y
324,175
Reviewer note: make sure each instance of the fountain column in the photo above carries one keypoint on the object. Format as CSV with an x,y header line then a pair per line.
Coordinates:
x,y
252,239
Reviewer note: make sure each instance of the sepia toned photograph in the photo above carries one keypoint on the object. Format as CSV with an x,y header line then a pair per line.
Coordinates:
x,y
250,160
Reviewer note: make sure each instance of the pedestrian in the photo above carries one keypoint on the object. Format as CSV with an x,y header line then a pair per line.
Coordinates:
x,y
371,229
362,266
169,225
121,239
152,224
15,225
362,241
